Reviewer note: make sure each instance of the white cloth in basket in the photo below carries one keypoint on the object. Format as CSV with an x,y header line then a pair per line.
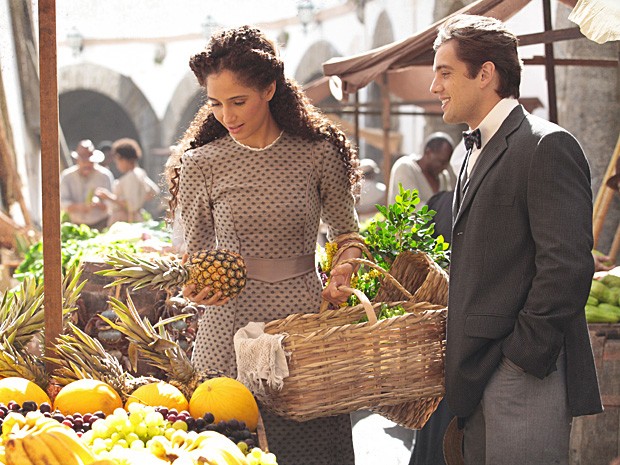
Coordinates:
x,y
260,358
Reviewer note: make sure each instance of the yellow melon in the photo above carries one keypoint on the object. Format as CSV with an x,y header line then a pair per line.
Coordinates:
x,y
21,390
226,399
87,396
160,394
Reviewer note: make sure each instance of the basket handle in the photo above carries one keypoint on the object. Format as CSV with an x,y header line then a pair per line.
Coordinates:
x,y
388,276
370,312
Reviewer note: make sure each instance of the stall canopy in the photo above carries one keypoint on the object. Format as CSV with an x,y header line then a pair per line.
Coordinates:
x,y
359,70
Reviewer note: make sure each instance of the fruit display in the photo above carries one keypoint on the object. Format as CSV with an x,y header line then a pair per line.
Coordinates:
x,y
603,304
91,410
221,270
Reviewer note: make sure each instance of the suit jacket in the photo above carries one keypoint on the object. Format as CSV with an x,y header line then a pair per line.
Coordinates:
x,y
522,264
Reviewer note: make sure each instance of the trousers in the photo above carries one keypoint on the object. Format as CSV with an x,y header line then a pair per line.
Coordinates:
x,y
521,420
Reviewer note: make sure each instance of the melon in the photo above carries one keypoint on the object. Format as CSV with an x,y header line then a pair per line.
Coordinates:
x,y
227,399
20,390
159,394
87,396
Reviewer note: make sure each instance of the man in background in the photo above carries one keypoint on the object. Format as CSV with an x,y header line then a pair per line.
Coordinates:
x,y
429,174
78,184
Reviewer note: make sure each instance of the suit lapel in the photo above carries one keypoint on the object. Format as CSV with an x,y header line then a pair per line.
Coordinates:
x,y
491,152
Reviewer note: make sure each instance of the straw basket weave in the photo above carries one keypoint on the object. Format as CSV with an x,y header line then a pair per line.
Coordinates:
x,y
427,282
338,365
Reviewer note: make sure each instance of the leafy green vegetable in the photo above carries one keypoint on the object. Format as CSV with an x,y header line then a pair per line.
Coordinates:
x,y
79,242
399,227
386,311
402,227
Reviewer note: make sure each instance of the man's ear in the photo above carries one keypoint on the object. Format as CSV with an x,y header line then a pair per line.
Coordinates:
x,y
487,74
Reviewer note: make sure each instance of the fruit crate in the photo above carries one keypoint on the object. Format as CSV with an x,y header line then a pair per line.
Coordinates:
x,y
596,438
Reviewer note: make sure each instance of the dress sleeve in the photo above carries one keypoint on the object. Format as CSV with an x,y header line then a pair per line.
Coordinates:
x,y
337,201
195,205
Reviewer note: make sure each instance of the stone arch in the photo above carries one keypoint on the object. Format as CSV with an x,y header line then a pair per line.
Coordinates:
x,y
185,102
311,64
92,92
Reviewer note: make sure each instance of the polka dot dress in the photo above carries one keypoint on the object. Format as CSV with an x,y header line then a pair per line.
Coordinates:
x,y
268,204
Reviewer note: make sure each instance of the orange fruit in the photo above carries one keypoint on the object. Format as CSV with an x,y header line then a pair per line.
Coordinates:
x,y
20,390
227,399
87,396
159,394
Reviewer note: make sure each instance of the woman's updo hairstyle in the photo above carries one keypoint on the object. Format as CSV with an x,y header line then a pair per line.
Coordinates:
x,y
244,51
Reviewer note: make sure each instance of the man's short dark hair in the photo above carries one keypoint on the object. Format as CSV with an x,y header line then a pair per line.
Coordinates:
x,y
480,39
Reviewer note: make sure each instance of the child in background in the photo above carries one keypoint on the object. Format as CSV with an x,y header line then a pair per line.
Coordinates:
x,y
133,189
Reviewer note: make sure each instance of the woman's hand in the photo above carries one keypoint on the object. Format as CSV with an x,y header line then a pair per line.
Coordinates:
x,y
200,298
339,276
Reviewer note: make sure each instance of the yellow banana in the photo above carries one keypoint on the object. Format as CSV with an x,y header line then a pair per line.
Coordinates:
x,y
37,450
67,439
15,453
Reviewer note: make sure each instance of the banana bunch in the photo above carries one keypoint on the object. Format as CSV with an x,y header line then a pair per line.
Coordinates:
x,y
36,439
189,448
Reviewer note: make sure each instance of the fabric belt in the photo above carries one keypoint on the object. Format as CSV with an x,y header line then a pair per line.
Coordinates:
x,y
279,269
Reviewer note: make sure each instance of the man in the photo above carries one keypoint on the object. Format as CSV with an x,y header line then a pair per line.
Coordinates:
x,y
429,174
78,184
519,364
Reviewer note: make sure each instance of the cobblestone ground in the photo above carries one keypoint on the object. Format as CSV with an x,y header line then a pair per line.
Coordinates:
x,y
378,441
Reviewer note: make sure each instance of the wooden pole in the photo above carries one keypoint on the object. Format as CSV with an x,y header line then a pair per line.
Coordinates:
x,y
50,184
386,123
549,66
604,197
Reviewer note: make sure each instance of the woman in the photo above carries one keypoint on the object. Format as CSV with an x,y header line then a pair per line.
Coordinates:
x,y
261,167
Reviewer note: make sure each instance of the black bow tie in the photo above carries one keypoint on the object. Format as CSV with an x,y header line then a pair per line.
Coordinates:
x,y
472,137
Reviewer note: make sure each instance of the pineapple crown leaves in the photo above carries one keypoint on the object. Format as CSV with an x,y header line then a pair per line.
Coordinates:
x,y
139,273
155,345
81,356
21,311
24,365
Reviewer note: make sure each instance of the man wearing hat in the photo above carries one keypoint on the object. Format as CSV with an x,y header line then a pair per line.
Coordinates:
x,y
78,184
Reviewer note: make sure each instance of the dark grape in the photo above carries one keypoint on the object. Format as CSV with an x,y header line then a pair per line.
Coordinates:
x,y
29,406
171,418
45,407
209,418
99,414
59,417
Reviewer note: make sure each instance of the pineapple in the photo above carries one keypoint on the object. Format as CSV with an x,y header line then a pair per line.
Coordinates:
x,y
80,356
22,322
157,347
221,270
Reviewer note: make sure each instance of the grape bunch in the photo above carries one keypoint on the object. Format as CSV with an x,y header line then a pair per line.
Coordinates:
x,y
236,431
78,422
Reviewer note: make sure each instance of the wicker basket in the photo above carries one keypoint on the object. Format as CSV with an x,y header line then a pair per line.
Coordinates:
x,y
338,365
428,282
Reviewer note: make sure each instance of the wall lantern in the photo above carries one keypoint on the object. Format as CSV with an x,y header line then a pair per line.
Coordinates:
x,y
76,41
305,13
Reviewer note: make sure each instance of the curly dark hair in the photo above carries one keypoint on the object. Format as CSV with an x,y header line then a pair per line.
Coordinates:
x,y
254,59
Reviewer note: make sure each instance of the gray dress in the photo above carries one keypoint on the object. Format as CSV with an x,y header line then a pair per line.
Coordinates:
x,y
267,204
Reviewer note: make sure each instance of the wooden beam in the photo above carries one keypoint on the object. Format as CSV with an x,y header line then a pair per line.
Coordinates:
x,y
52,270
539,60
550,36
549,68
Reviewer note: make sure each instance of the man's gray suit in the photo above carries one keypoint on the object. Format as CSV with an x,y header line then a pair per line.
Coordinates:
x,y
522,264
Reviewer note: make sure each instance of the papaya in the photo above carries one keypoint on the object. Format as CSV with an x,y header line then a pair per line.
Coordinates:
x,y
610,280
596,315
592,300
598,289
612,309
